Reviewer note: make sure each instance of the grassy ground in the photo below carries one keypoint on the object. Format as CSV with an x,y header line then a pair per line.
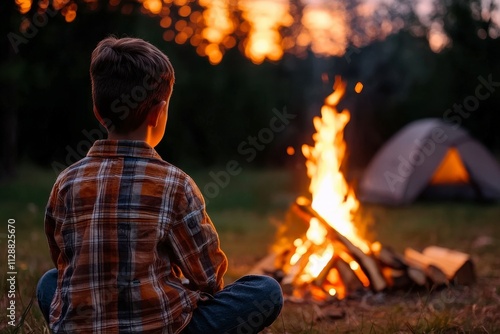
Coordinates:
x,y
246,213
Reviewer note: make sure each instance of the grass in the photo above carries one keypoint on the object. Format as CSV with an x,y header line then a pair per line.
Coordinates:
x,y
246,213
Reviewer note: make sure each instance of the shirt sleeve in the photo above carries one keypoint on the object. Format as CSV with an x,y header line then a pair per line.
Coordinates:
x,y
196,244
53,208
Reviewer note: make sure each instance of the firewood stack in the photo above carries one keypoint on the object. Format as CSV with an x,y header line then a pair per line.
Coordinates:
x,y
346,269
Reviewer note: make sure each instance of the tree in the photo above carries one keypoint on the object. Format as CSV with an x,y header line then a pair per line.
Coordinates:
x,y
473,53
10,68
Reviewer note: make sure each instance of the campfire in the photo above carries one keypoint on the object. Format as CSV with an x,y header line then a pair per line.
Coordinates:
x,y
319,253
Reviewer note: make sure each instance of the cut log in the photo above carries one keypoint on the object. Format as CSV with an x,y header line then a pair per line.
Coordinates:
x,y
389,258
432,271
457,266
367,263
397,278
417,275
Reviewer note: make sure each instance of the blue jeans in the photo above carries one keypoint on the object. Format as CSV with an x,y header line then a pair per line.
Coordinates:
x,y
45,291
246,306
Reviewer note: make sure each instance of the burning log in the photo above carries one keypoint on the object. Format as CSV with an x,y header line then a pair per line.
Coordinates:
x,y
329,259
349,278
367,263
297,267
387,257
356,269
326,264
326,270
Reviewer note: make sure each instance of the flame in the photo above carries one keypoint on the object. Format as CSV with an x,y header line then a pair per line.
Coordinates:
x,y
301,249
317,262
334,284
316,233
332,198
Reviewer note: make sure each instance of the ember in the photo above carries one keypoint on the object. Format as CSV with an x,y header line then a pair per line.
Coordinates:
x,y
329,258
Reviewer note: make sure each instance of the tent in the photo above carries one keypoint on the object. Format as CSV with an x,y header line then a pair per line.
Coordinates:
x,y
430,158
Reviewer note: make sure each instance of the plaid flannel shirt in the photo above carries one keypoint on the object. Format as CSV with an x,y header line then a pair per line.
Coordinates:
x,y
124,228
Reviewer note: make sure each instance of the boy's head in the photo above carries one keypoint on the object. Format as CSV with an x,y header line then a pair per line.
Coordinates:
x,y
130,77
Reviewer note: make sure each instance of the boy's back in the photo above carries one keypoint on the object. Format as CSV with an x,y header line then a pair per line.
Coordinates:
x,y
133,247
124,220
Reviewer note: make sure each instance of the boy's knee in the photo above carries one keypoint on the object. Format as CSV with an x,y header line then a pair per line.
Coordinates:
x,y
273,288
47,279
270,289
270,302
45,290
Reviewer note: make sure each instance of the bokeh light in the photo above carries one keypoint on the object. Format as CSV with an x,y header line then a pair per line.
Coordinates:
x,y
266,29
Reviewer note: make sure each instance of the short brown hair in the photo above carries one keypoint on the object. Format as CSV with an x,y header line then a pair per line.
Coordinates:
x,y
129,76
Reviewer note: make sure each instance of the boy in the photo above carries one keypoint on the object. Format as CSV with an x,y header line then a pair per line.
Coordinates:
x,y
134,249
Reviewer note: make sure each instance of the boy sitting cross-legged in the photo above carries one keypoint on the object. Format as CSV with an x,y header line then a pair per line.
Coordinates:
x,y
133,246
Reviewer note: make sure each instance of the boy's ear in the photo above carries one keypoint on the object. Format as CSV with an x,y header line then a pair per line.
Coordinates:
x,y
156,113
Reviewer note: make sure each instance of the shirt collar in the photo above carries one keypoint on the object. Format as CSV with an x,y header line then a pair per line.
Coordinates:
x,y
122,148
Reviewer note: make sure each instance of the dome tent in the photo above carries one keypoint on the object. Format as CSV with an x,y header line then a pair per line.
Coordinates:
x,y
430,157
